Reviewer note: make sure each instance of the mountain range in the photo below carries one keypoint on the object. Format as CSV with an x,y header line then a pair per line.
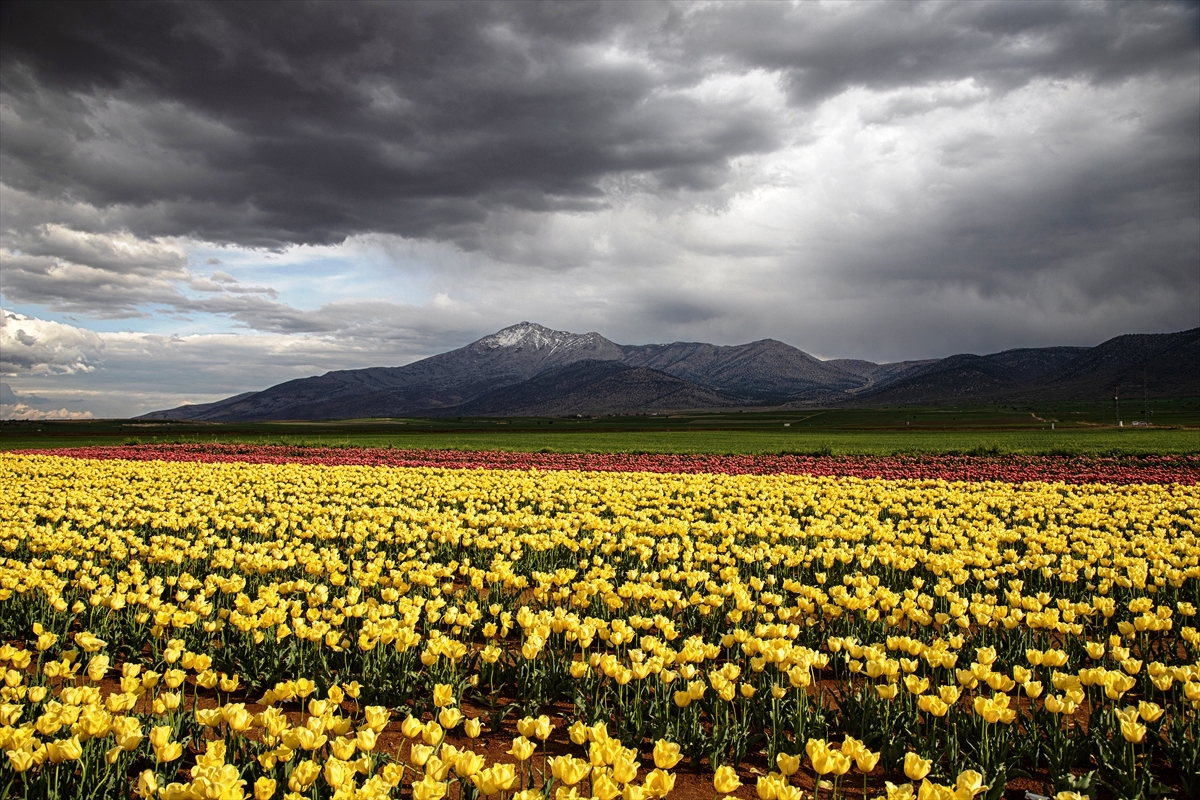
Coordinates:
x,y
531,370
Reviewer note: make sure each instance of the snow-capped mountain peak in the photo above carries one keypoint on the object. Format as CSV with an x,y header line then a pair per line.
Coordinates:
x,y
532,336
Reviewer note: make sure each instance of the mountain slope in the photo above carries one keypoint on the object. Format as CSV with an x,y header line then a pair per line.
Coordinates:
x,y
527,369
446,380
766,370
969,377
1170,363
593,388
874,375
196,409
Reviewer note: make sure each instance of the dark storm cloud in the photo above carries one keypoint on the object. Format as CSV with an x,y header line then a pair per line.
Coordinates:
x,y
271,124
1103,216
1001,44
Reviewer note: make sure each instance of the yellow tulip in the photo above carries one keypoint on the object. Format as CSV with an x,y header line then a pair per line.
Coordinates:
x,y
160,735
865,760
522,748
264,788
839,762
168,752
437,769
569,770
411,727
20,760
376,718
789,792
915,767
495,779
365,740
968,784
420,753
237,717
666,754
542,727
443,695
308,740
787,764
147,786
97,667
825,761
604,788
1133,732
428,789
767,786
432,733
304,775
1150,712
64,750
659,783
725,780
338,774
392,775
468,763
624,768
343,748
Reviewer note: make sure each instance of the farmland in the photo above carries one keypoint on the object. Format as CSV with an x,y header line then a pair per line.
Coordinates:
x,y
210,627
1081,428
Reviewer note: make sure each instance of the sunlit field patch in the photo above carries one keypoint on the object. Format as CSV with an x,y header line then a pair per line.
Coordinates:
x,y
210,628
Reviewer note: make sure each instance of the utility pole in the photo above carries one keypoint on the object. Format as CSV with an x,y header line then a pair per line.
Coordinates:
x,y
1117,403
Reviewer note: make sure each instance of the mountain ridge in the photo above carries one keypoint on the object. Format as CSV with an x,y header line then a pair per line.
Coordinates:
x,y
531,370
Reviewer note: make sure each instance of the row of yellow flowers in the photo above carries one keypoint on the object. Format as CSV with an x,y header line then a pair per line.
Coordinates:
x,y
977,628
323,747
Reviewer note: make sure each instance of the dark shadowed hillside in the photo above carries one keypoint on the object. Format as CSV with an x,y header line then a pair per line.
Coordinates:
x,y
767,370
597,388
1169,363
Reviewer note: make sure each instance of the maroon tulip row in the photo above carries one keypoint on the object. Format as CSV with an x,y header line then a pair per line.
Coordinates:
x,y
1011,468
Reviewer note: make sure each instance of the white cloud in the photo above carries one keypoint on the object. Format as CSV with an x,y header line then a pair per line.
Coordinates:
x,y
39,347
126,373
119,252
22,411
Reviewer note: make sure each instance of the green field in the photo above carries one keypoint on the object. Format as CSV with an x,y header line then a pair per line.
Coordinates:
x,y
1078,428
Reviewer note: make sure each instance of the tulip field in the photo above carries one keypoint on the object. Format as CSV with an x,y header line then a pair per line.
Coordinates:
x,y
221,622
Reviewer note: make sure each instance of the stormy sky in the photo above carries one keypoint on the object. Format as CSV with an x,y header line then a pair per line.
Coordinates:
x,y
202,199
